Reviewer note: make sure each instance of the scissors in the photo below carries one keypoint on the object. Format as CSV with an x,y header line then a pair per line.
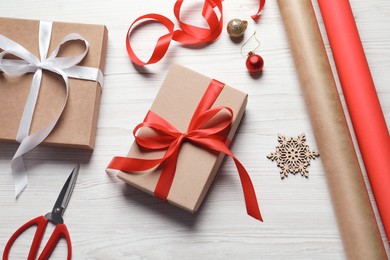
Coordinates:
x,y
55,217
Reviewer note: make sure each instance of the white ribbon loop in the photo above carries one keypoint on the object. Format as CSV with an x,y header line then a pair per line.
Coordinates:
x,y
29,63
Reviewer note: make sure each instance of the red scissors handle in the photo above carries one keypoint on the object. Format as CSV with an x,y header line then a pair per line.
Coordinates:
x,y
41,223
59,232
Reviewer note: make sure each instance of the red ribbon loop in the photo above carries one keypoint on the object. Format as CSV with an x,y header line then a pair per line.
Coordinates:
x,y
199,132
189,34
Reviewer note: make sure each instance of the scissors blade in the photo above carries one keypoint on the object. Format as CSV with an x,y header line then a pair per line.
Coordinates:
x,y
66,192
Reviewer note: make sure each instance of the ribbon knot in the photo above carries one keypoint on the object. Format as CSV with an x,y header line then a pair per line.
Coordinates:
x,y
205,130
48,65
29,63
40,66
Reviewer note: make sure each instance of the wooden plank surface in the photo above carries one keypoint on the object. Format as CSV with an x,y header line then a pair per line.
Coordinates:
x,y
110,220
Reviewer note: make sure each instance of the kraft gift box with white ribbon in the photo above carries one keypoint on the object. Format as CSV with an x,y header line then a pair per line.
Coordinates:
x,y
51,76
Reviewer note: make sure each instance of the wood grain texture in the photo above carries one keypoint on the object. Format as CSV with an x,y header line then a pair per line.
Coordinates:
x,y
110,220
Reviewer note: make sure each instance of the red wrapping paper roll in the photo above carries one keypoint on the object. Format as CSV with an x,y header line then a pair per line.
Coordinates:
x,y
361,99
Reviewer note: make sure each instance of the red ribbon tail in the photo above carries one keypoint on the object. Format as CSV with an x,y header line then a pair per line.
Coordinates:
x,y
167,175
261,6
252,206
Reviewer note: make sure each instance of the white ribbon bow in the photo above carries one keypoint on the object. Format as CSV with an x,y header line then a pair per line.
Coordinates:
x,y
29,63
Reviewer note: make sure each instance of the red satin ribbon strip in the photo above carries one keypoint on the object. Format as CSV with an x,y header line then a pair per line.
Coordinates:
x,y
261,6
210,137
189,34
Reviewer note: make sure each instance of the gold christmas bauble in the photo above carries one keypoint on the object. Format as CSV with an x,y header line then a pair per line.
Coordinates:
x,y
236,28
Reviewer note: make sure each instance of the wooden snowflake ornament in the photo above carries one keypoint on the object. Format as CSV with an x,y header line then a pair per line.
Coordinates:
x,y
293,155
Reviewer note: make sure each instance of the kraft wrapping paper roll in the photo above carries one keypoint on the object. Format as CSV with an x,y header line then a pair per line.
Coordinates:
x,y
356,219
362,100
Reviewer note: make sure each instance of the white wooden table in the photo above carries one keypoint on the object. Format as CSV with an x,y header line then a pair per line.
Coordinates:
x,y
110,220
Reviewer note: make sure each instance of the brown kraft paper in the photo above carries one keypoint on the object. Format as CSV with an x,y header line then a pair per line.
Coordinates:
x,y
76,127
176,101
355,216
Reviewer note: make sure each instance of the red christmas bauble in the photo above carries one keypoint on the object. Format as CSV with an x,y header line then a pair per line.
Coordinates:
x,y
254,63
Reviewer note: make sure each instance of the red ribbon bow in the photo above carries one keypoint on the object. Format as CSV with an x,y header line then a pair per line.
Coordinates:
x,y
211,138
189,34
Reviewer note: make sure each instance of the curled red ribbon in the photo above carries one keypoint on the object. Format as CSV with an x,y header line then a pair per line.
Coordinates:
x,y
211,138
189,34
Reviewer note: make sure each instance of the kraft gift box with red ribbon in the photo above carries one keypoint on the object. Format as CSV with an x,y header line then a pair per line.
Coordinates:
x,y
180,145
51,76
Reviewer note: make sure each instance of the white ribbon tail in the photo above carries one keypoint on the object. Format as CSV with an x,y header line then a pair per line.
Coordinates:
x,y
29,107
32,141
19,174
